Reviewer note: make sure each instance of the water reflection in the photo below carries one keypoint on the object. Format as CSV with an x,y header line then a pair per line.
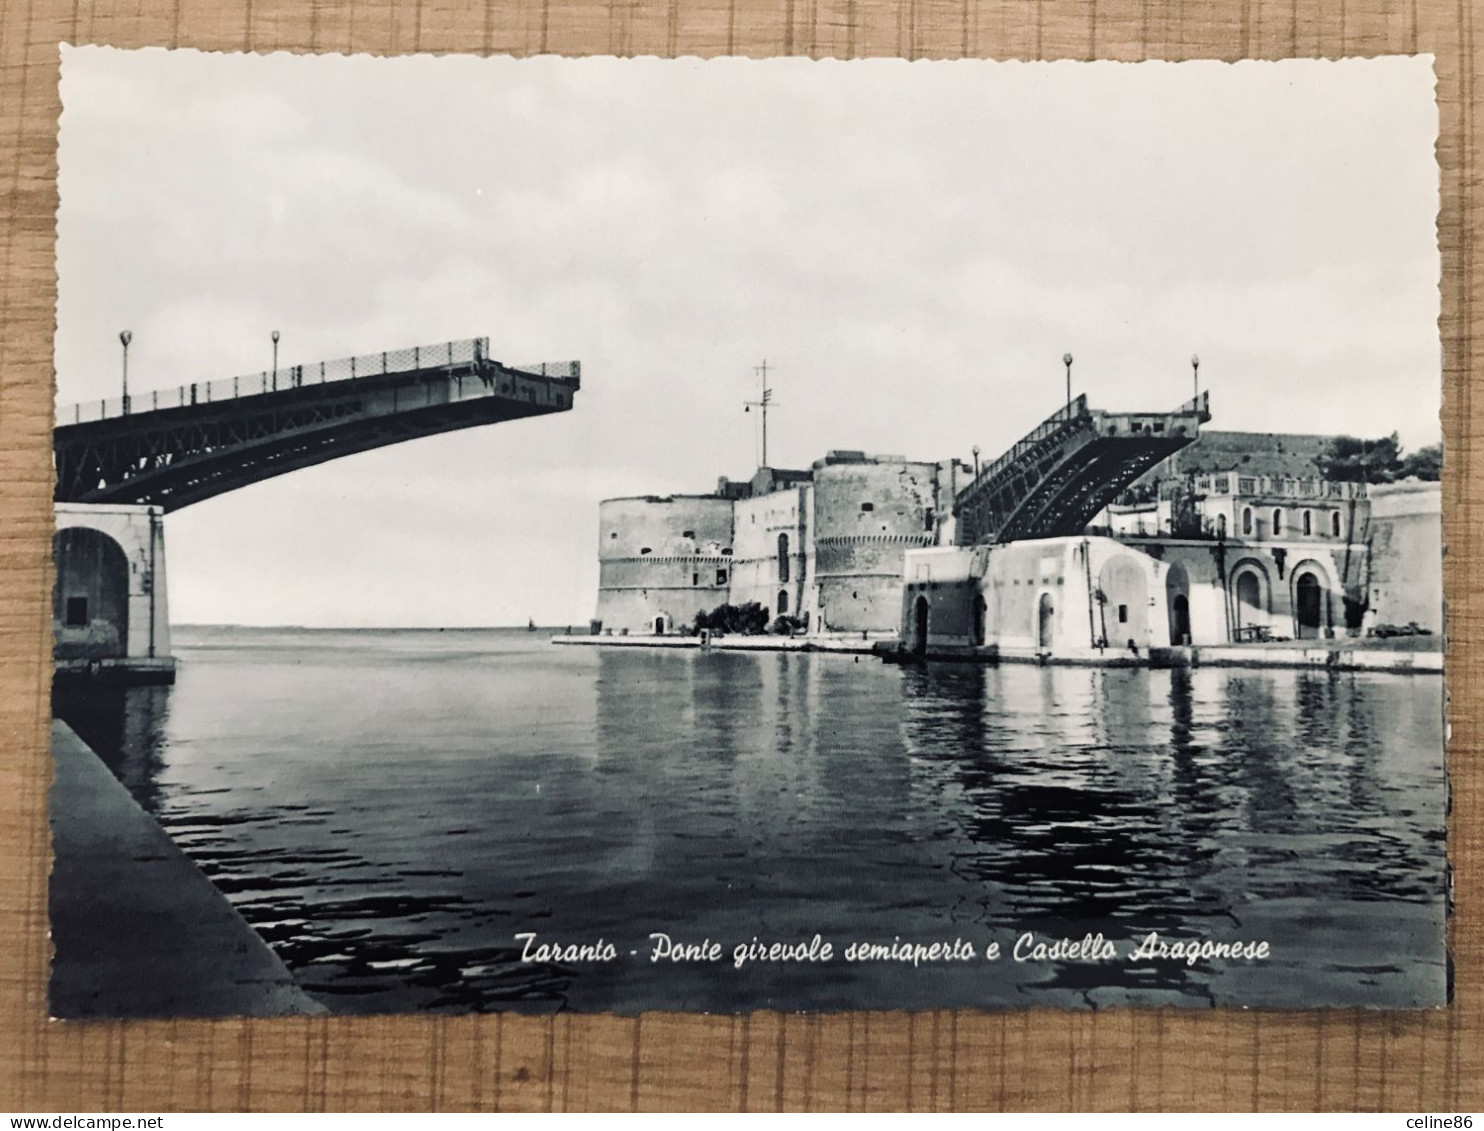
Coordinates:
x,y
390,815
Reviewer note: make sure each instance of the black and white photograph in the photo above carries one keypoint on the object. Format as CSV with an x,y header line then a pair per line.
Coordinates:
x,y
604,535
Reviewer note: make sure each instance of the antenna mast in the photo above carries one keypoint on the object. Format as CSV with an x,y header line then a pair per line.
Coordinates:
x,y
762,405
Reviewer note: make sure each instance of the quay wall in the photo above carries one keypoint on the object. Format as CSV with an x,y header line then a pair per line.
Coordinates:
x,y
1065,595
138,930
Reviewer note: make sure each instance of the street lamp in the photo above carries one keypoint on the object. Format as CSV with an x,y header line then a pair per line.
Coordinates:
x,y
1195,376
976,461
1066,359
126,337
275,358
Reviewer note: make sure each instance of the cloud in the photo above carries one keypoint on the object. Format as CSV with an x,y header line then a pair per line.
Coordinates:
x,y
912,246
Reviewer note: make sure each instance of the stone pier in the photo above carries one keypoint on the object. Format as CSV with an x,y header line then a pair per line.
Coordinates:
x,y
109,612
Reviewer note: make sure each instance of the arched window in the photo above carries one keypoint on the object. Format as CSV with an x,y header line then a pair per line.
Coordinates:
x,y
783,602
1308,522
1221,526
1334,523
783,557
1277,521
1246,520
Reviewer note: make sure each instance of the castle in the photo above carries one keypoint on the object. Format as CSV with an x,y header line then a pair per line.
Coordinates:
x,y
1233,538
824,546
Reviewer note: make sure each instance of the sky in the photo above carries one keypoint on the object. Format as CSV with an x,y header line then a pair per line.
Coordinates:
x,y
911,246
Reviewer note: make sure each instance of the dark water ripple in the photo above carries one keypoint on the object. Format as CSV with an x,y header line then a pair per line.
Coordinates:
x,y
390,809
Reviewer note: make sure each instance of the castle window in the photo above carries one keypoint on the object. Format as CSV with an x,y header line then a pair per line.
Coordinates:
x,y
644,550
1334,523
695,579
1277,521
783,557
614,534
1246,520
1221,526
1308,522
77,612
783,602
1123,614
721,577
927,519
687,533
867,507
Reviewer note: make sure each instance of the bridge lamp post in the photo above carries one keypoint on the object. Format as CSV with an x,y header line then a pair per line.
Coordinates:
x,y
1066,359
126,337
976,461
1195,375
275,358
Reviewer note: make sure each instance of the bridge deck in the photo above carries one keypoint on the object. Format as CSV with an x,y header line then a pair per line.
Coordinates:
x,y
180,446
1053,482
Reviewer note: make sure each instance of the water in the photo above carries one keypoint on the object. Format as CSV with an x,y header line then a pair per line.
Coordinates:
x,y
389,809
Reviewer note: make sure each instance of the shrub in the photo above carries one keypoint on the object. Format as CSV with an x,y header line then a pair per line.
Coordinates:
x,y
750,619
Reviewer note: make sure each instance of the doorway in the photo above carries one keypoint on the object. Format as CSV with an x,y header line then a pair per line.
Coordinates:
x,y
1177,603
1179,620
1308,606
1249,612
920,626
1046,623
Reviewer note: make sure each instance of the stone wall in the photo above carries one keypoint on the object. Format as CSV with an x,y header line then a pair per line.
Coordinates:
x,y
1073,596
662,560
109,599
770,555
867,515
1034,597
1406,582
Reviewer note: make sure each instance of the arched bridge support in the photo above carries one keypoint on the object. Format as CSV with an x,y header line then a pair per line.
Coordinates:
x,y
110,615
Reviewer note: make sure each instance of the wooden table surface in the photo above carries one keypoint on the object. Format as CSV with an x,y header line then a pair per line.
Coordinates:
x,y
1120,1059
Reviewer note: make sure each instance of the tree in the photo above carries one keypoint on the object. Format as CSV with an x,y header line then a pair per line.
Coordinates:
x,y
1425,463
1352,460
750,619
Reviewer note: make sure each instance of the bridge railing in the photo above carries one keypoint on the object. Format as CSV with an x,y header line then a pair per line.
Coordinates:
x,y
461,352
1047,427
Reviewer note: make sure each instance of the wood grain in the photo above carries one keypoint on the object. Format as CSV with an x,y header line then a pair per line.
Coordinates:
x,y
1143,1059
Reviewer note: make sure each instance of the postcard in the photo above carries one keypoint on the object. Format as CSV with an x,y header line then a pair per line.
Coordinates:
x,y
721,535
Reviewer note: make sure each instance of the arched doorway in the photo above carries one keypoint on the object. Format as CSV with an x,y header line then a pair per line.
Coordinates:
x,y
920,626
1308,606
1045,623
980,611
1180,620
1249,608
659,626
1177,602
783,602
90,603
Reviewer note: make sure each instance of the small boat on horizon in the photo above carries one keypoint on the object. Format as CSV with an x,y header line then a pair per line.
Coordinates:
x,y
530,625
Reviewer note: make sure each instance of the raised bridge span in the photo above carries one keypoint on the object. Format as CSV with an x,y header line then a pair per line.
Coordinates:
x,y
174,447
1055,480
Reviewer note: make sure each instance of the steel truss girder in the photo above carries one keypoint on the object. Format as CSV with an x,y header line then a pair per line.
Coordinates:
x,y
178,456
